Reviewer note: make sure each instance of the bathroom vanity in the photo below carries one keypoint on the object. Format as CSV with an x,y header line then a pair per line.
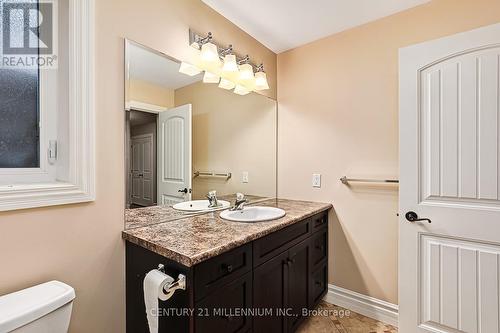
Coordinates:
x,y
241,277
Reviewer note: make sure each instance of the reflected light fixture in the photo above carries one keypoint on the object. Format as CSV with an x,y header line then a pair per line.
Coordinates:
x,y
210,78
240,90
226,84
189,69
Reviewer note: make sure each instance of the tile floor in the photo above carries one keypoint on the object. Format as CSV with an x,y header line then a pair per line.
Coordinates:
x,y
330,318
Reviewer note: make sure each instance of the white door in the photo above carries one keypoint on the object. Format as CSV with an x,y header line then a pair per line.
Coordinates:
x,y
449,270
142,170
174,155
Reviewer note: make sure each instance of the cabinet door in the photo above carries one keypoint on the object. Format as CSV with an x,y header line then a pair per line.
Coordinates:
x,y
269,293
221,310
299,261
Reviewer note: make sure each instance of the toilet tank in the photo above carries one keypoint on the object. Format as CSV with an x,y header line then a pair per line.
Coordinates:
x,y
44,308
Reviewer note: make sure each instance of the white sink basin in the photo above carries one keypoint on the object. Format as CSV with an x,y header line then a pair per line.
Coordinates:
x,y
200,205
253,214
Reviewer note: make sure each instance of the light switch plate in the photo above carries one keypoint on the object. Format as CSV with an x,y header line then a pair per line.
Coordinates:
x,y
316,180
244,177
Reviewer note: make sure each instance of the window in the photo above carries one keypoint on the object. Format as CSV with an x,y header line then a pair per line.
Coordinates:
x,y
46,103
19,119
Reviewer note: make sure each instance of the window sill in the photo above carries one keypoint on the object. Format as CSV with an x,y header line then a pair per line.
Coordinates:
x,y
41,195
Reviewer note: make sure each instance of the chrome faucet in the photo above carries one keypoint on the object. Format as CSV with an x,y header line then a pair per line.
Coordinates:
x,y
212,199
240,202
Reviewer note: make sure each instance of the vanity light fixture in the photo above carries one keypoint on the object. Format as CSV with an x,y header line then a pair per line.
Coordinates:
x,y
223,66
261,79
230,64
246,70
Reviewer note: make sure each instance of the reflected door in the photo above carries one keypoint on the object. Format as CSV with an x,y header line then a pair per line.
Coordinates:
x,y
174,155
449,265
142,164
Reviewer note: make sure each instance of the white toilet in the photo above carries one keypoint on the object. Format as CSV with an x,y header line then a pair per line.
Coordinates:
x,y
45,308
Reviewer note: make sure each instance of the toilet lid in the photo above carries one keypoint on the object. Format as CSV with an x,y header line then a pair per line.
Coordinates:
x,y
22,307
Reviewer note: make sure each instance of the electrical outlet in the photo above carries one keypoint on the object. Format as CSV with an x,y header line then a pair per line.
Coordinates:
x,y
244,177
316,180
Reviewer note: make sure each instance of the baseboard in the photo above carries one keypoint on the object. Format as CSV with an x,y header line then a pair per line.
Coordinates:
x,y
367,306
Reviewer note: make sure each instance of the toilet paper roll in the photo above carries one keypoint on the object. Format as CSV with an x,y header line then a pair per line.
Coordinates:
x,y
155,284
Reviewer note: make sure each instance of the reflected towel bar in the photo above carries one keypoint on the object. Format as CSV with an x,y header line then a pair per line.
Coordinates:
x,y
226,175
346,180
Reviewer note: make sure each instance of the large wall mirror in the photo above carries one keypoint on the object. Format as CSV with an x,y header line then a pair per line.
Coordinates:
x,y
186,138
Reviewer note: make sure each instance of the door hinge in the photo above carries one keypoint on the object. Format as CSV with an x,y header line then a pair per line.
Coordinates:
x,y
52,151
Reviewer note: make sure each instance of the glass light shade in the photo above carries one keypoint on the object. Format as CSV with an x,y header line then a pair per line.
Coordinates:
x,y
261,81
209,53
230,64
240,90
210,78
189,69
226,84
246,72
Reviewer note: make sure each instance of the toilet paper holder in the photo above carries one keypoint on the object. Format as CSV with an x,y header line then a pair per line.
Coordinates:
x,y
180,283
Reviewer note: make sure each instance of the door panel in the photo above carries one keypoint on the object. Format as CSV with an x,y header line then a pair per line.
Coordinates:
x,y
174,155
142,164
299,267
459,284
459,129
449,164
270,282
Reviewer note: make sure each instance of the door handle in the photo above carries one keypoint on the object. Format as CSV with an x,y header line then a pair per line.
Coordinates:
x,y
413,217
185,191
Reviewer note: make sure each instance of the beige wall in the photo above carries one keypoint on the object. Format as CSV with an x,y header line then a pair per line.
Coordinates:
x,y
338,115
147,92
232,133
81,244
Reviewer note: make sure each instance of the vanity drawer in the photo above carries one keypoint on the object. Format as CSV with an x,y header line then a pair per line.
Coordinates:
x,y
318,285
319,246
215,272
221,310
269,246
319,220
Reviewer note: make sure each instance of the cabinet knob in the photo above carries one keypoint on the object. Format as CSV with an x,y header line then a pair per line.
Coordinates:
x,y
228,268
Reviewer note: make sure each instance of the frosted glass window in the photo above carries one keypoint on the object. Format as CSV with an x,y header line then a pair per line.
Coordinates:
x,y
19,118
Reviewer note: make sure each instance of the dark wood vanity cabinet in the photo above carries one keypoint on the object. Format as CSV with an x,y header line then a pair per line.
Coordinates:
x,y
262,286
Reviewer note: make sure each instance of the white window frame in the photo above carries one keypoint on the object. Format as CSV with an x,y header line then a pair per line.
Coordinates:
x,y
80,186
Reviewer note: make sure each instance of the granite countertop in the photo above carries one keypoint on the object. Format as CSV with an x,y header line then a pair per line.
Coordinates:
x,y
141,217
192,240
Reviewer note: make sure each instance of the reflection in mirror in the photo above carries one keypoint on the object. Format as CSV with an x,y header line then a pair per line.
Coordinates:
x,y
189,142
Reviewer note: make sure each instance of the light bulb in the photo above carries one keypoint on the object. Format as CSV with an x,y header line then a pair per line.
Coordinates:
x,y
209,53
189,69
230,64
226,84
246,72
240,90
261,81
210,78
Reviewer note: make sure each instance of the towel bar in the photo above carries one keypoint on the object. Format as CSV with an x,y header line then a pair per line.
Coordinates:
x,y
346,180
226,175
